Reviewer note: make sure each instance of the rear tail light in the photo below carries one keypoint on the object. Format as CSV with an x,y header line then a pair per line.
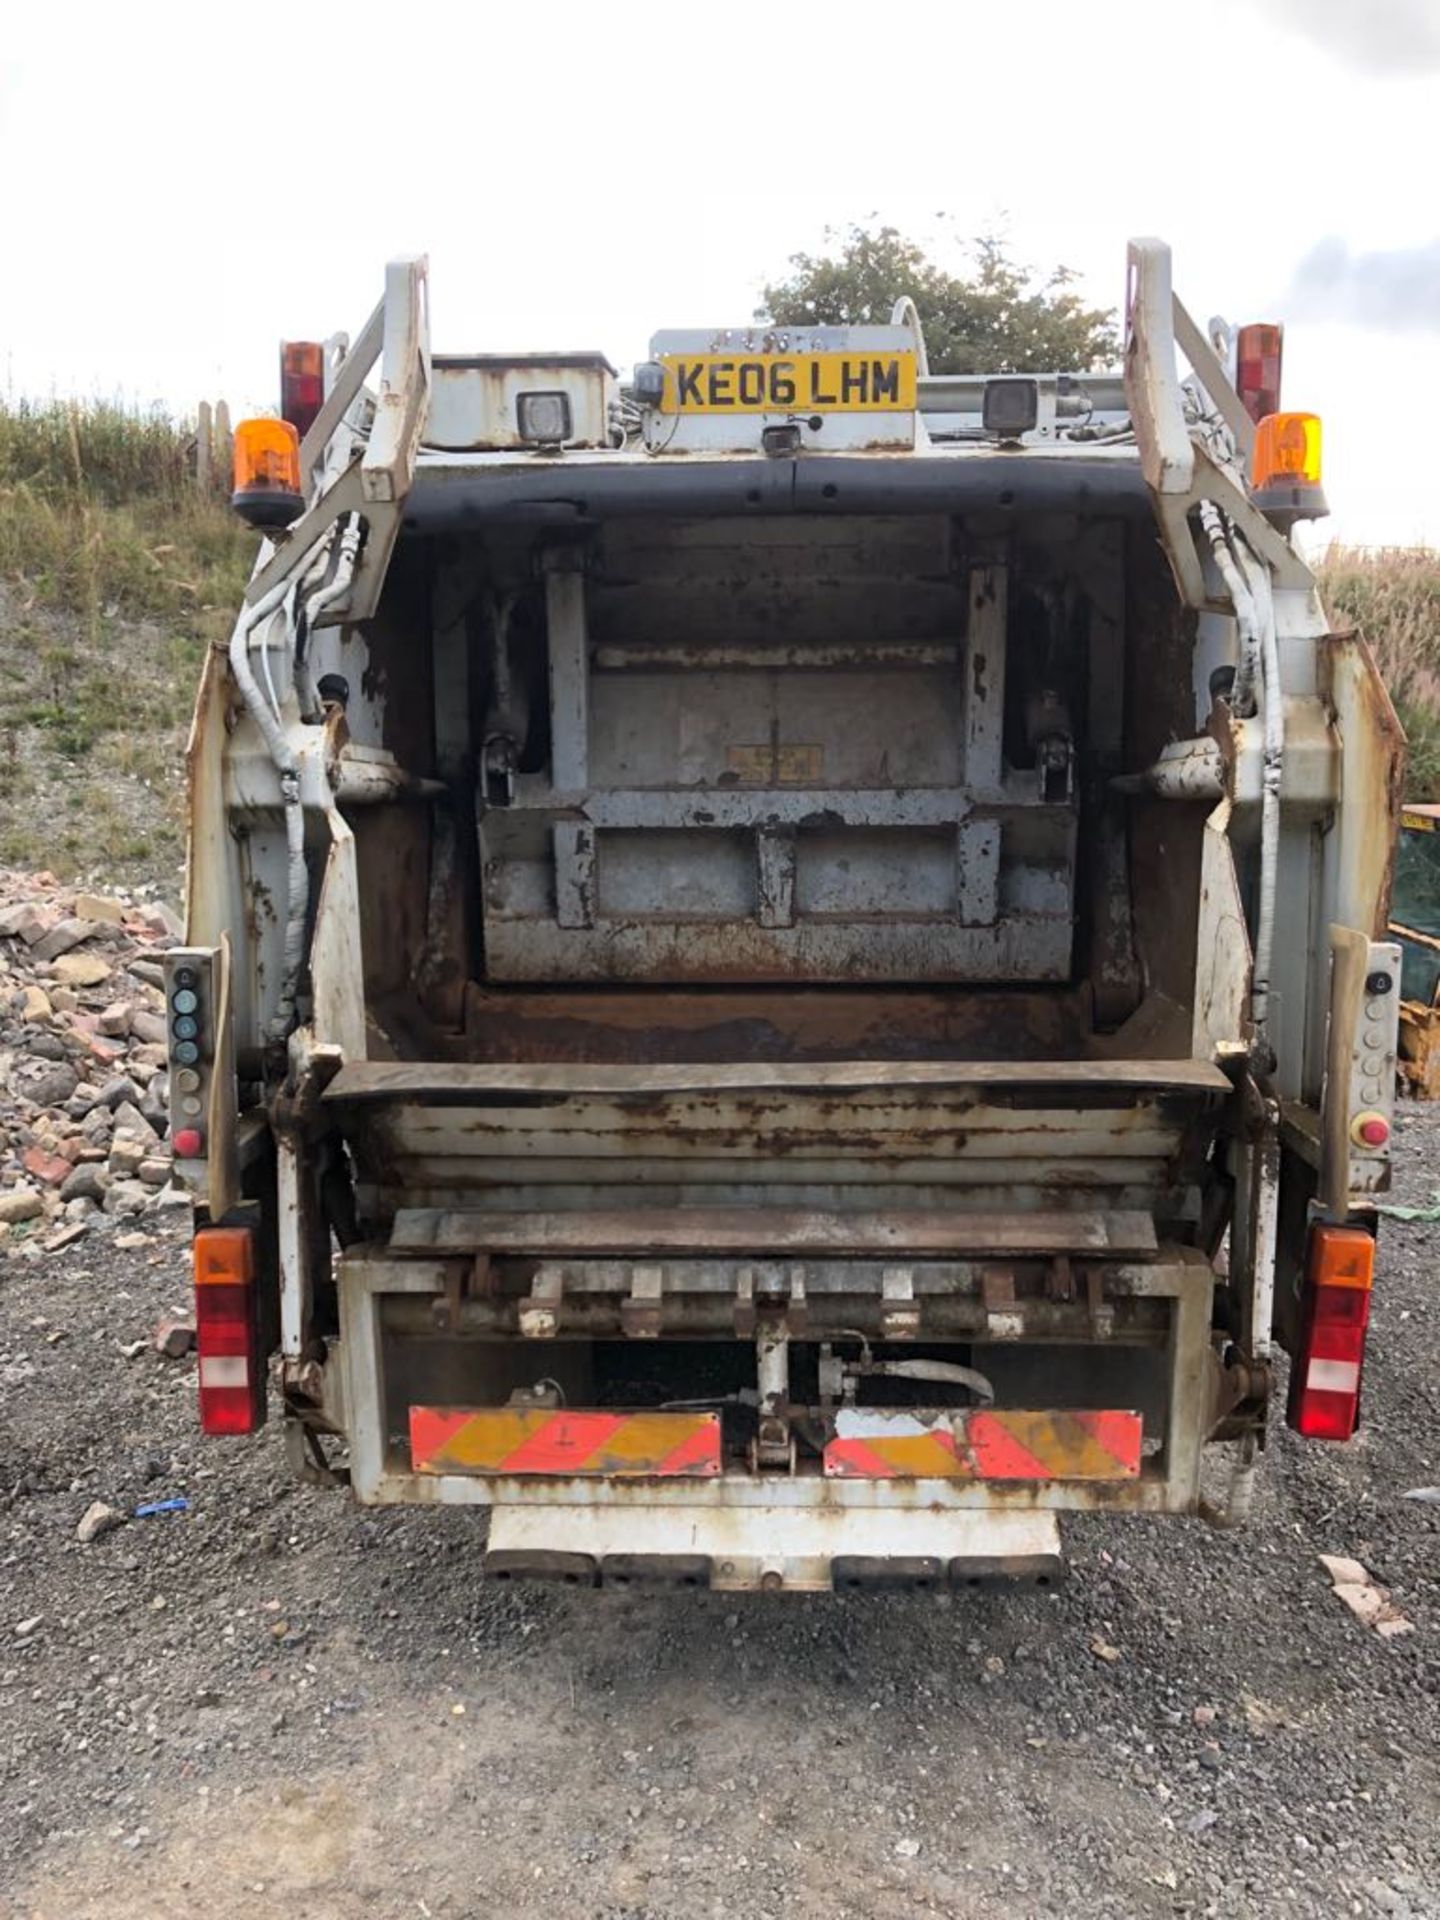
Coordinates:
x,y
267,473
302,383
1335,1313
1257,369
232,1380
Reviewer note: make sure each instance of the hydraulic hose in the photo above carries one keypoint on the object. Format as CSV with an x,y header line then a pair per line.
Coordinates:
x,y
1248,582
1242,697
272,729
1273,713
326,596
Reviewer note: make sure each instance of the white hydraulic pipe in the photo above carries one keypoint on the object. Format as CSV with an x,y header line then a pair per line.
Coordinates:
x,y
272,728
326,596
269,722
344,570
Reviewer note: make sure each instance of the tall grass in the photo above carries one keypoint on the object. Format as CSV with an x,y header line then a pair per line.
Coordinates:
x,y
1392,595
100,515
64,450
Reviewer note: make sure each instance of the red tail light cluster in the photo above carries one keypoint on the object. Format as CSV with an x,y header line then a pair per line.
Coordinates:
x,y
232,1378
1257,369
1335,1314
302,383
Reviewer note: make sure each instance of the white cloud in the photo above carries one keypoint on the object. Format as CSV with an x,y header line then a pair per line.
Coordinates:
x,y
1395,290
1390,37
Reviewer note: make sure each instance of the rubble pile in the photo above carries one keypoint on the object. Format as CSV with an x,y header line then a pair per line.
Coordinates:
x,y
84,1144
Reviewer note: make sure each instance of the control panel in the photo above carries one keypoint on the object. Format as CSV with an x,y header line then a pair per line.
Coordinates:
x,y
1371,1111
190,1014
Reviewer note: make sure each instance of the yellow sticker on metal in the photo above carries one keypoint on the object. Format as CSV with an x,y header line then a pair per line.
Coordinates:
x,y
789,383
776,766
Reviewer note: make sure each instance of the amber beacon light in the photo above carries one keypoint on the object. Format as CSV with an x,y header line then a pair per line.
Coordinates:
x,y
267,473
1285,469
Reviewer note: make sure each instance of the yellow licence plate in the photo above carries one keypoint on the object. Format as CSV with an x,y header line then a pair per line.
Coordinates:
x,y
789,383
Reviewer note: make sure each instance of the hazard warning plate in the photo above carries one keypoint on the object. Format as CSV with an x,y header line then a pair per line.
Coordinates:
x,y
537,1440
988,1443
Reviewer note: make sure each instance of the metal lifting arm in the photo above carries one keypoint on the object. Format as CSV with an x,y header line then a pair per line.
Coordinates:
x,y
1179,467
375,468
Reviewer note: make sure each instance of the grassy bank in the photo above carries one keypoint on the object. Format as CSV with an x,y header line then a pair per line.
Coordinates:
x,y
115,574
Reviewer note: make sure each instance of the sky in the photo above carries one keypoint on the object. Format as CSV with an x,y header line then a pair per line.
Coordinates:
x,y
186,184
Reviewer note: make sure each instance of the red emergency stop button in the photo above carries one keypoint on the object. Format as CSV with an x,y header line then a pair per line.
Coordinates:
x,y
1370,1130
189,1142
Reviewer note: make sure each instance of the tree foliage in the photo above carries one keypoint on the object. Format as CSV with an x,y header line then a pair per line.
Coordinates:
x,y
1002,318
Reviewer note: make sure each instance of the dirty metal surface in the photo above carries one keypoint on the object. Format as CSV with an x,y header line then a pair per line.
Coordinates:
x,y
799,1550
773,1128
725,948
444,1115
378,1292
595,1301
639,1026
429,1135
772,1231
1360,853
1052,1083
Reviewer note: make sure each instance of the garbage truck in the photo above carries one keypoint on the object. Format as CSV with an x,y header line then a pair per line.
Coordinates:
x,y
786,973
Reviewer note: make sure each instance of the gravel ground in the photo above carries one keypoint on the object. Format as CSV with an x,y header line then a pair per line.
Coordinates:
x,y
276,1702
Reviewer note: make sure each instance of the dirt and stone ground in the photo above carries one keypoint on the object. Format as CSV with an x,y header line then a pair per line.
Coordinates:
x,y
272,1702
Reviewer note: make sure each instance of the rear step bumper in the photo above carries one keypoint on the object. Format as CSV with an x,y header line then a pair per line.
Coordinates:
x,y
796,1550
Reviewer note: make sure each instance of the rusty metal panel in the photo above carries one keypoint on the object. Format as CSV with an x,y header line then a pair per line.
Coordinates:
x,y
1077,1125
1081,1124
1222,953
1048,1083
759,1128
726,950
336,955
542,1440
1362,849
1180,1289
772,1231
989,1443
766,1023
473,401
747,823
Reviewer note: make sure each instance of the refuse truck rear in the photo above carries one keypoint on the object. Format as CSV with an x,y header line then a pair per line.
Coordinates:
x,y
786,973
